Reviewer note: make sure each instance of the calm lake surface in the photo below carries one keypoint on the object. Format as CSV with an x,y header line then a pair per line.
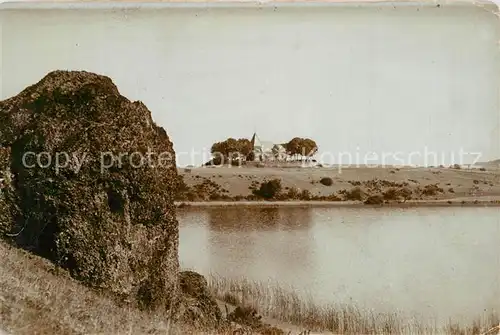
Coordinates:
x,y
436,263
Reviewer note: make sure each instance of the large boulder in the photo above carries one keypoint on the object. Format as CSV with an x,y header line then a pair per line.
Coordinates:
x,y
89,182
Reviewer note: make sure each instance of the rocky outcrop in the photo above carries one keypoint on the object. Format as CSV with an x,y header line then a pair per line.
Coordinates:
x,y
90,182
197,306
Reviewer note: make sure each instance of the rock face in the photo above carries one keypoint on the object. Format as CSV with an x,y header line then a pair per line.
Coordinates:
x,y
89,183
197,306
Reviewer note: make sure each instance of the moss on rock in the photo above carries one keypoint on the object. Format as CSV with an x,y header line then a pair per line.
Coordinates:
x,y
110,222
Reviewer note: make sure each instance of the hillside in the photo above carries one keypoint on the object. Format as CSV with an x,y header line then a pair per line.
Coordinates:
x,y
420,184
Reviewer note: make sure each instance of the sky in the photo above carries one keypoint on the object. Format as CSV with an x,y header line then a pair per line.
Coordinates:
x,y
412,84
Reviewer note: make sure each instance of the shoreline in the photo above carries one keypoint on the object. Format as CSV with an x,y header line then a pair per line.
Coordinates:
x,y
436,187
457,202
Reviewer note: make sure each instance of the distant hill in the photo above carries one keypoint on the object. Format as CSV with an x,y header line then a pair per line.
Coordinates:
x,y
495,162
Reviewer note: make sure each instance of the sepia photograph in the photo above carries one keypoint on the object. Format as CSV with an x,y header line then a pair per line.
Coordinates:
x,y
250,167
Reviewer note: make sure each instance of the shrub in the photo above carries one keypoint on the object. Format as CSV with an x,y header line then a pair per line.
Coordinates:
x,y
305,195
217,161
215,196
482,169
391,194
354,194
269,189
405,193
251,156
376,199
251,197
396,194
327,181
333,197
457,166
431,189
451,190
182,189
475,181
236,162
293,193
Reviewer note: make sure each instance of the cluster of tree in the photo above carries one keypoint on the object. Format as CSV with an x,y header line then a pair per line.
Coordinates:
x,y
231,149
303,147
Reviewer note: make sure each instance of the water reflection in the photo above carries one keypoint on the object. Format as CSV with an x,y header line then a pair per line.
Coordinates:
x,y
238,241
439,263
261,219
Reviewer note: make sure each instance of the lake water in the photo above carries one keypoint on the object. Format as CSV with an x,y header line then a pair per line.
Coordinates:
x,y
437,263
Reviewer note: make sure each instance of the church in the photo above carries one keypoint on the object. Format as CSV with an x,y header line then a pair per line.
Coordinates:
x,y
267,151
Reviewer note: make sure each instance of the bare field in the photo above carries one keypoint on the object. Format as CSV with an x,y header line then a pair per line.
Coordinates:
x,y
456,184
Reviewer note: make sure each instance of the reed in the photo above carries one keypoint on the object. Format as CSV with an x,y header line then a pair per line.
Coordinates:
x,y
274,301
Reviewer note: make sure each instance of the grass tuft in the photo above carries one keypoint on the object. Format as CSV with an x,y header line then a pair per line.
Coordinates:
x,y
274,301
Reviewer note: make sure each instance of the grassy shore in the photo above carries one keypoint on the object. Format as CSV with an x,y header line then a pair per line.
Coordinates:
x,y
38,298
459,202
273,301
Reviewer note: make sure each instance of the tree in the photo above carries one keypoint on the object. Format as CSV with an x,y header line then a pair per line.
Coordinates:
x,y
251,156
302,147
244,146
231,148
269,189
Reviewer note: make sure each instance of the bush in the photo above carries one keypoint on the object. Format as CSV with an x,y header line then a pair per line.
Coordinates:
x,y
236,162
182,189
332,197
405,193
374,200
305,195
269,189
391,194
354,194
250,156
327,181
292,194
482,169
215,197
431,190
216,161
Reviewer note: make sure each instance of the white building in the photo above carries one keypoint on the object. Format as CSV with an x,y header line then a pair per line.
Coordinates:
x,y
267,151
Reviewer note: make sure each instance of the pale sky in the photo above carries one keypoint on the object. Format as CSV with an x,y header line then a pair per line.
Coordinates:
x,y
376,80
